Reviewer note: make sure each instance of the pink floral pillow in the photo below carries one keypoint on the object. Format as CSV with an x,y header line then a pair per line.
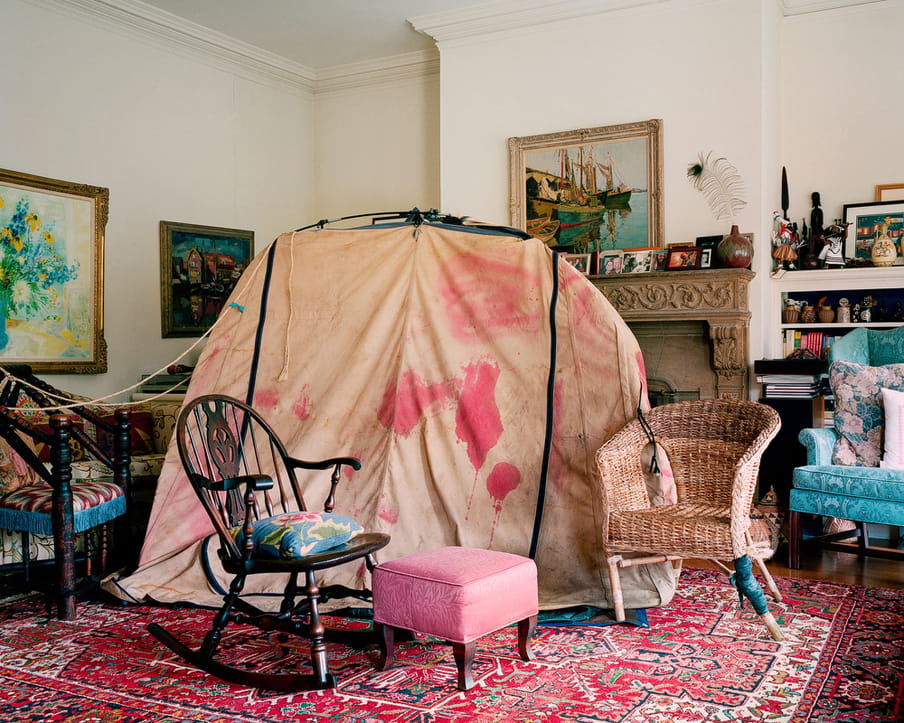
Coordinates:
x,y
858,410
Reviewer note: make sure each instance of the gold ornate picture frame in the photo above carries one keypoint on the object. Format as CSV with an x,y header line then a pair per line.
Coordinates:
x,y
199,267
592,189
52,274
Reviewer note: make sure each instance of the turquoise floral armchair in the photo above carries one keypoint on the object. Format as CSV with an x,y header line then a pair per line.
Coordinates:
x,y
847,476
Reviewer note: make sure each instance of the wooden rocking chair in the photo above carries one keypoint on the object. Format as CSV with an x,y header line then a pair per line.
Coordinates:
x,y
236,465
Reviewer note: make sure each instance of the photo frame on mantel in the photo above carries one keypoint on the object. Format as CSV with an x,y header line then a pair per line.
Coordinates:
x,y
52,268
600,187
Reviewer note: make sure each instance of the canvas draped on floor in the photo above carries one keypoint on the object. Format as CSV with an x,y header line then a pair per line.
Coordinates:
x,y
425,352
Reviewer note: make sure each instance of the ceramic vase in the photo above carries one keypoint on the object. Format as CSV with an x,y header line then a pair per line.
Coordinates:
x,y
826,314
884,252
808,314
790,315
735,250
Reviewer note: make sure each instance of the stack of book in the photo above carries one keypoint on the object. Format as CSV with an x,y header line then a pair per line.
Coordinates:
x,y
784,379
790,386
175,383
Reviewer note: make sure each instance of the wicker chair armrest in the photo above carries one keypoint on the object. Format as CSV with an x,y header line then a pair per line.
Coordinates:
x,y
618,460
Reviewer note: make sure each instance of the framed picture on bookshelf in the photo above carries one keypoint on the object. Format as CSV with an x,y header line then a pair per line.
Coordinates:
x,y
871,221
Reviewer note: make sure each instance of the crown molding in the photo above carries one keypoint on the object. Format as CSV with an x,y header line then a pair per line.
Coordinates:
x,y
506,15
803,7
150,23
513,14
406,66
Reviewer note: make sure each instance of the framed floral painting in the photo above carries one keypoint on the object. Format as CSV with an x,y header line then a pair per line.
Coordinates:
x,y
52,274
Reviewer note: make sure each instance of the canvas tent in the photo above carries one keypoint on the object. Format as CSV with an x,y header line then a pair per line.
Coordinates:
x,y
424,349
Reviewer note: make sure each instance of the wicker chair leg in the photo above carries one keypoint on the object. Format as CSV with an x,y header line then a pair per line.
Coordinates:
x,y
618,601
767,576
774,629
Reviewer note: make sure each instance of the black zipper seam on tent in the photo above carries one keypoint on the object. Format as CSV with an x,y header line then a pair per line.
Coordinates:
x,y
550,394
259,334
249,395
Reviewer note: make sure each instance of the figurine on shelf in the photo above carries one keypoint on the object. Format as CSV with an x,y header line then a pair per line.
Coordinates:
x,y
880,313
866,308
832,254
897,313
784,245
843,316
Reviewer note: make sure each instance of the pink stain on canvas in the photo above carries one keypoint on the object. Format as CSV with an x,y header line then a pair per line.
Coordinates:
x,y
477,421
301,407
405,404
487,298
266,399
503,478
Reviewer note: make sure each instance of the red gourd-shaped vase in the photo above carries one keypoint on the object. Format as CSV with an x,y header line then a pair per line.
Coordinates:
x,y
735,250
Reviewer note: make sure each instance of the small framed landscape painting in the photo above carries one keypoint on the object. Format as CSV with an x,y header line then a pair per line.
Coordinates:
x,y
199,267
52,274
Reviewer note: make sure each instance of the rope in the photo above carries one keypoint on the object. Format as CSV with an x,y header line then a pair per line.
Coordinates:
x,y
284,374
68,403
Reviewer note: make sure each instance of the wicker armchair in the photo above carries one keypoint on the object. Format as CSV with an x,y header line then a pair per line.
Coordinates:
x,y
713,448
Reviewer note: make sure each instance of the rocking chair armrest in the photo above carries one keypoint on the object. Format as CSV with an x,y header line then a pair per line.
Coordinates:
x,y
257,482
352,462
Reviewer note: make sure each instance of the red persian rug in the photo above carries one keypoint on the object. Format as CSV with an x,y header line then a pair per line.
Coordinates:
x,y
701,659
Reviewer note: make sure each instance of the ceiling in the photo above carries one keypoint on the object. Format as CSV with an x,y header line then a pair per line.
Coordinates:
x,y
318,33
315,35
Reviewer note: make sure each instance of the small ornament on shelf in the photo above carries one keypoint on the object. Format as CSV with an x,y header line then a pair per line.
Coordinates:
x,y
832,254
844,311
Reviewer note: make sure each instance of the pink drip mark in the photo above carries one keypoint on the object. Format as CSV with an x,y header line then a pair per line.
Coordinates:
x,y
477,421
502,479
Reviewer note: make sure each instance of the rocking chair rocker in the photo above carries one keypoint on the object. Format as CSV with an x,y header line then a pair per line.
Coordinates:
x,y
236,464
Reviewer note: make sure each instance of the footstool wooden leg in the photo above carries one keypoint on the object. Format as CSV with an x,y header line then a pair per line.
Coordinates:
x,y
464,658
526,629
387,647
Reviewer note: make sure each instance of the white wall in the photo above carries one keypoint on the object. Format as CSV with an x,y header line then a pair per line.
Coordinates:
x,y
731,76
179,138
843,108
171,136
377,148
699,66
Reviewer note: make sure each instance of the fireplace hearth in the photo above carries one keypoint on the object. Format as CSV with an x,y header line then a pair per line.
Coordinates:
x,y
692,326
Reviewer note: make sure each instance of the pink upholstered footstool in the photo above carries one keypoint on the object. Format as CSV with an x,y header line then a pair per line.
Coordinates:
x,y
457,594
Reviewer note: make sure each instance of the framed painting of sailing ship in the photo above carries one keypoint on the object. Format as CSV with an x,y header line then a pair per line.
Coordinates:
x,y
52,274
199,267
587,190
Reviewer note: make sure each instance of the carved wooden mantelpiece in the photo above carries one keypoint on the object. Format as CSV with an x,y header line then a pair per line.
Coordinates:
x,y
715,296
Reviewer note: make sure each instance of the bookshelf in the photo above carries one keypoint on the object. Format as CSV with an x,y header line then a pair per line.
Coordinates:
x,y
885,285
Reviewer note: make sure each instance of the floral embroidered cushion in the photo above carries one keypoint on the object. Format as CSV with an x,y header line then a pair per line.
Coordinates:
x,y
858,410
14,471
297,534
